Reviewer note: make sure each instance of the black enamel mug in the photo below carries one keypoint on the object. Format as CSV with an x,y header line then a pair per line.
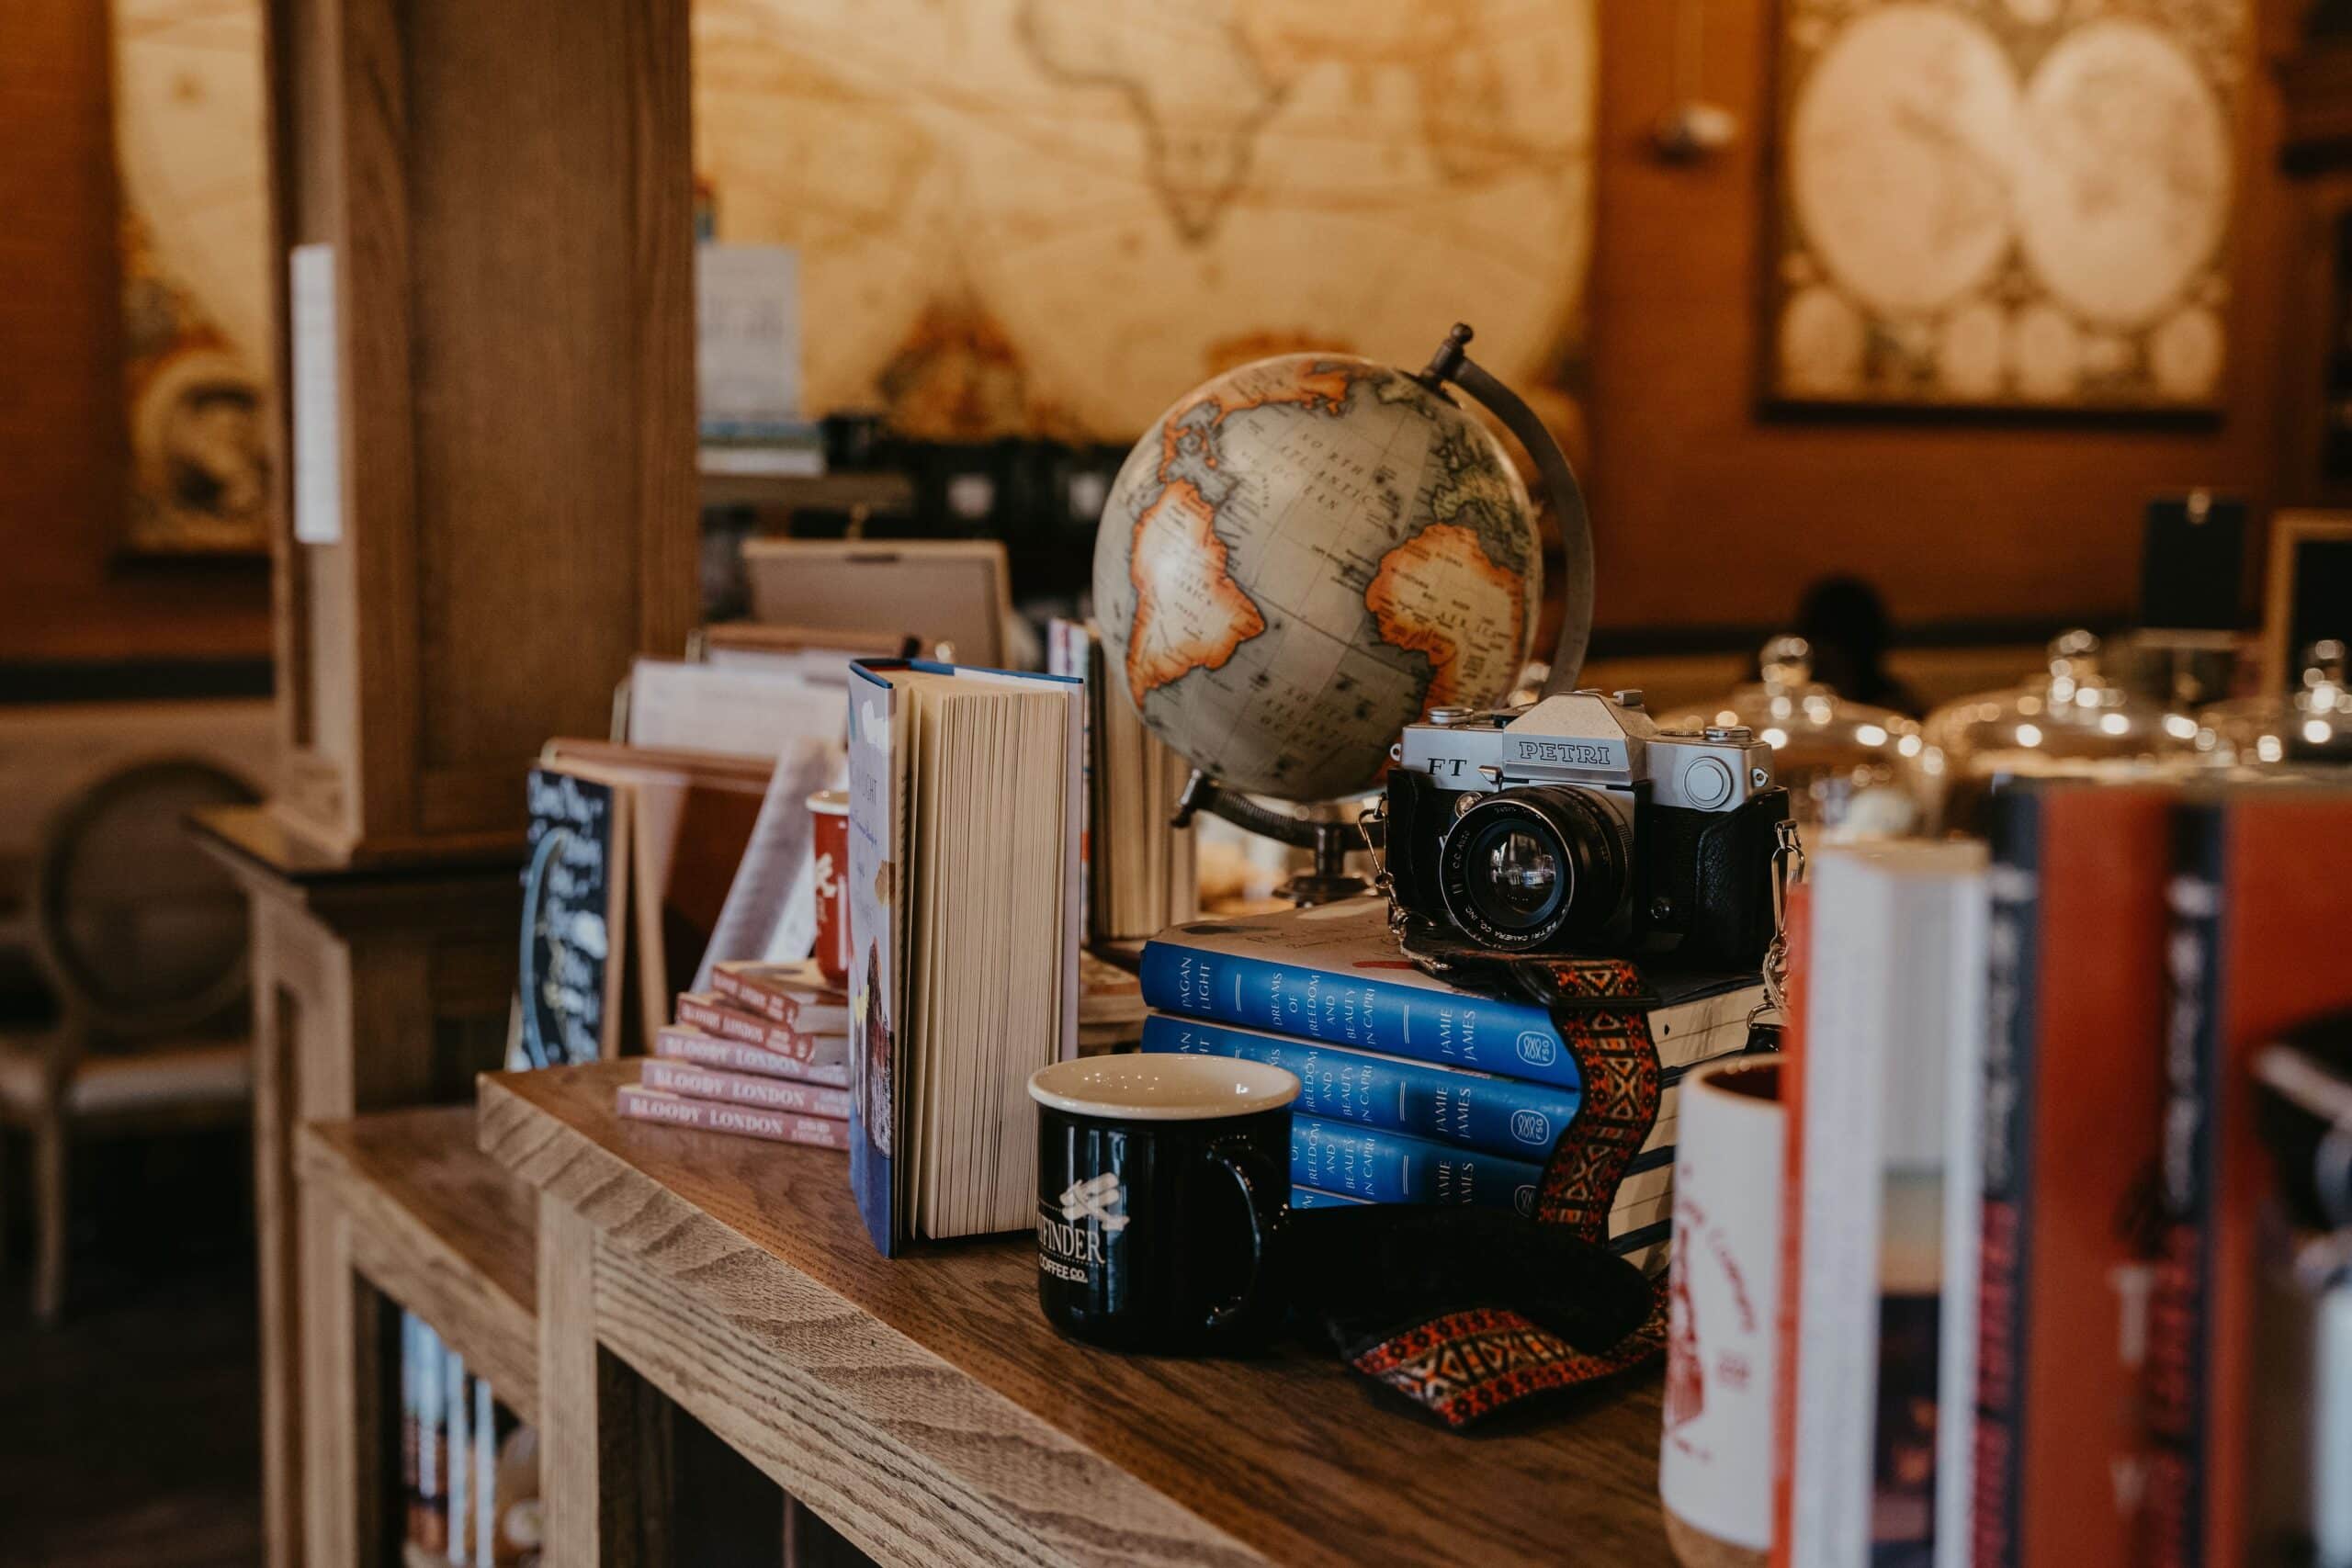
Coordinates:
x,y
1163,1184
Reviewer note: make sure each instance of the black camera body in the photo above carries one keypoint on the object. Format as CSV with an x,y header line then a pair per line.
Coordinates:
x,y
1577,824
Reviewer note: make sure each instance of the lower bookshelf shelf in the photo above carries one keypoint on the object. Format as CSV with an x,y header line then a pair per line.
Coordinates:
x,y
443,1230
400,1211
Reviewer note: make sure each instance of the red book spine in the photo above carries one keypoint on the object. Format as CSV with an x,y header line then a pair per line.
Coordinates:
x,y
744,1089
731,1023
774,1006
712,1116
2261,899
686,1043
2074,1104
1799,918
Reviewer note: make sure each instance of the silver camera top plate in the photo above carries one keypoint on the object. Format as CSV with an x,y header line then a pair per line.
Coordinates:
x,y
1596,741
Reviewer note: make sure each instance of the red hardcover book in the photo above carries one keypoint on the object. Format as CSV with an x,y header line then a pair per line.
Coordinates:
x,y
794,993
712,1016
744,1088
2072,1103
2261,899
638,1104
1798,915
684,1042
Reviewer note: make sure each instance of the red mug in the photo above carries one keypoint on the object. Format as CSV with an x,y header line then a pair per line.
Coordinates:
x,y
829,821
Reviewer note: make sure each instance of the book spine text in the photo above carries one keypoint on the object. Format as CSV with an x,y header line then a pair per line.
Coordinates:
x,y
711,1116
1444,1027
2178,1332
691,1045
1387,1167
1472,1111
744,1089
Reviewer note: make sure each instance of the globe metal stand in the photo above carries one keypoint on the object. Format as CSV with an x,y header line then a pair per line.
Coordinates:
x,y
1330,881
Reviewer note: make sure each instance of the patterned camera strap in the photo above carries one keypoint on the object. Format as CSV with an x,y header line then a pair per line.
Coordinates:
x,y
1467,1365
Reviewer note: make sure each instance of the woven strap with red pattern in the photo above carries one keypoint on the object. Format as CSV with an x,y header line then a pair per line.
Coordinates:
x,y
1464,1366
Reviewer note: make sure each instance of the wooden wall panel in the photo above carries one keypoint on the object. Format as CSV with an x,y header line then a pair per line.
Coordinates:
x,y
1708,512
62,442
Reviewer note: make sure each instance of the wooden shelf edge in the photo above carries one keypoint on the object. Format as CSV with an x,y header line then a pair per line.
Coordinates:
x,y
442,1230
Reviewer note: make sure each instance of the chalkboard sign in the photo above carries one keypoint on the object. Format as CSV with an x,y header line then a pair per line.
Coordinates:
x,y
573,881
2192,563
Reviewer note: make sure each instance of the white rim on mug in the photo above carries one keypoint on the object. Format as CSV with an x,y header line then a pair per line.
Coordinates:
x,y
1162,1088
829,803
1745,1096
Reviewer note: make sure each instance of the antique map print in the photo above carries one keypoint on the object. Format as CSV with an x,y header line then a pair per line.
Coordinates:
x,y
190,153
2005,202
1053,217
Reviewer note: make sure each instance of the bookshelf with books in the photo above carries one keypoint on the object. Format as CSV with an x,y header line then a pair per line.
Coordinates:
x,y
420,1281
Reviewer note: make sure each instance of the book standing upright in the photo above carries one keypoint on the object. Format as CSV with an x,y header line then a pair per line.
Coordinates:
x,y
966,917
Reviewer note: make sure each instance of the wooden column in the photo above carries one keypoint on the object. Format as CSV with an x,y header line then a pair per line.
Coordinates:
x,y
509,202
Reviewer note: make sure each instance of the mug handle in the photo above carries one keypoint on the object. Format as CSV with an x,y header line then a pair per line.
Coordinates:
x,y
1254,1174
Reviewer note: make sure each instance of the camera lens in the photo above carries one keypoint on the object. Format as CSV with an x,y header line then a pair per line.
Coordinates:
x,y
1520,876
1522,869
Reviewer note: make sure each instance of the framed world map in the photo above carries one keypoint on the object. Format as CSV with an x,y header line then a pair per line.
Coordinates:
x,y
2011,204
1052,217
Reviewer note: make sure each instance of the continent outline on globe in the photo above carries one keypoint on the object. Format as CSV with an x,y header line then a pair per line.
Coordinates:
x,y
1304,555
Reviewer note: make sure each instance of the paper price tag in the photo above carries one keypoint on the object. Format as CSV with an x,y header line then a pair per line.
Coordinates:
x,y
318,396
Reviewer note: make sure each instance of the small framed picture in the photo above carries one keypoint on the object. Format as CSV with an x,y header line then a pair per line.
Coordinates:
x,y
2308,592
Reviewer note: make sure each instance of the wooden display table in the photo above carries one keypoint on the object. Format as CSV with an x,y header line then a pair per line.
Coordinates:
x,y
927,1411
401,1209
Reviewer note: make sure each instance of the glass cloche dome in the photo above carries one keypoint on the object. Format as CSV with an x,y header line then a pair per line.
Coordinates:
x,y
2055,722
1849,767
2311,724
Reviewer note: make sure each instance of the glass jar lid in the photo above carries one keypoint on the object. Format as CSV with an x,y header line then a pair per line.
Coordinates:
x,y
2311,723
2062,720
1840,760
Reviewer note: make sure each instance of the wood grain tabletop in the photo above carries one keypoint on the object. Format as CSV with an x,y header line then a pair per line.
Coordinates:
x,y
1284,1457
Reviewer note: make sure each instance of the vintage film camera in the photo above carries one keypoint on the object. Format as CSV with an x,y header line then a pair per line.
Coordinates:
x,y
1577,825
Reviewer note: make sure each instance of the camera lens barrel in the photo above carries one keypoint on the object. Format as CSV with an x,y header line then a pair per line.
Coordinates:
x,y
1529,867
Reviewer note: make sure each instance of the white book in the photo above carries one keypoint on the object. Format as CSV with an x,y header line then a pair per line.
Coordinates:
x,y
460,1449
485,1475
1964,1238
1896,949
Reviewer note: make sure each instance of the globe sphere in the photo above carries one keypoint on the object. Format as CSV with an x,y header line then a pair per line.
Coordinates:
x,y
1303,555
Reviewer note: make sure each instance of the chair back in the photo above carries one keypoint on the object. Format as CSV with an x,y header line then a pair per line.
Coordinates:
x,y
142,932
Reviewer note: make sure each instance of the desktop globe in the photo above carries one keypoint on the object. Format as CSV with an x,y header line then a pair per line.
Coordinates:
x,y
1301,557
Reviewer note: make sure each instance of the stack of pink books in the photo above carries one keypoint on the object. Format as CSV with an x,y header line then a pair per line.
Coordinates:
x,y
762,1054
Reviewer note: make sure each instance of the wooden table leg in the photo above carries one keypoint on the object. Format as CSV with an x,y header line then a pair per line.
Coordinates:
x,y
291,992
605,1437
386,998
350,1363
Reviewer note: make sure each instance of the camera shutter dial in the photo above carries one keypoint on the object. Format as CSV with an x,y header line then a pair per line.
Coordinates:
x,y
1707,782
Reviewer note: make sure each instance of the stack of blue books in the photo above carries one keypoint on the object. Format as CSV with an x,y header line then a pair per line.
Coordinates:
x,y
1415,1092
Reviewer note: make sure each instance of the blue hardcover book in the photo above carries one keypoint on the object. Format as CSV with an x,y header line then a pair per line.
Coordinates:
x,y
1309,1197
1333,973
1388,1168
1447,1105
